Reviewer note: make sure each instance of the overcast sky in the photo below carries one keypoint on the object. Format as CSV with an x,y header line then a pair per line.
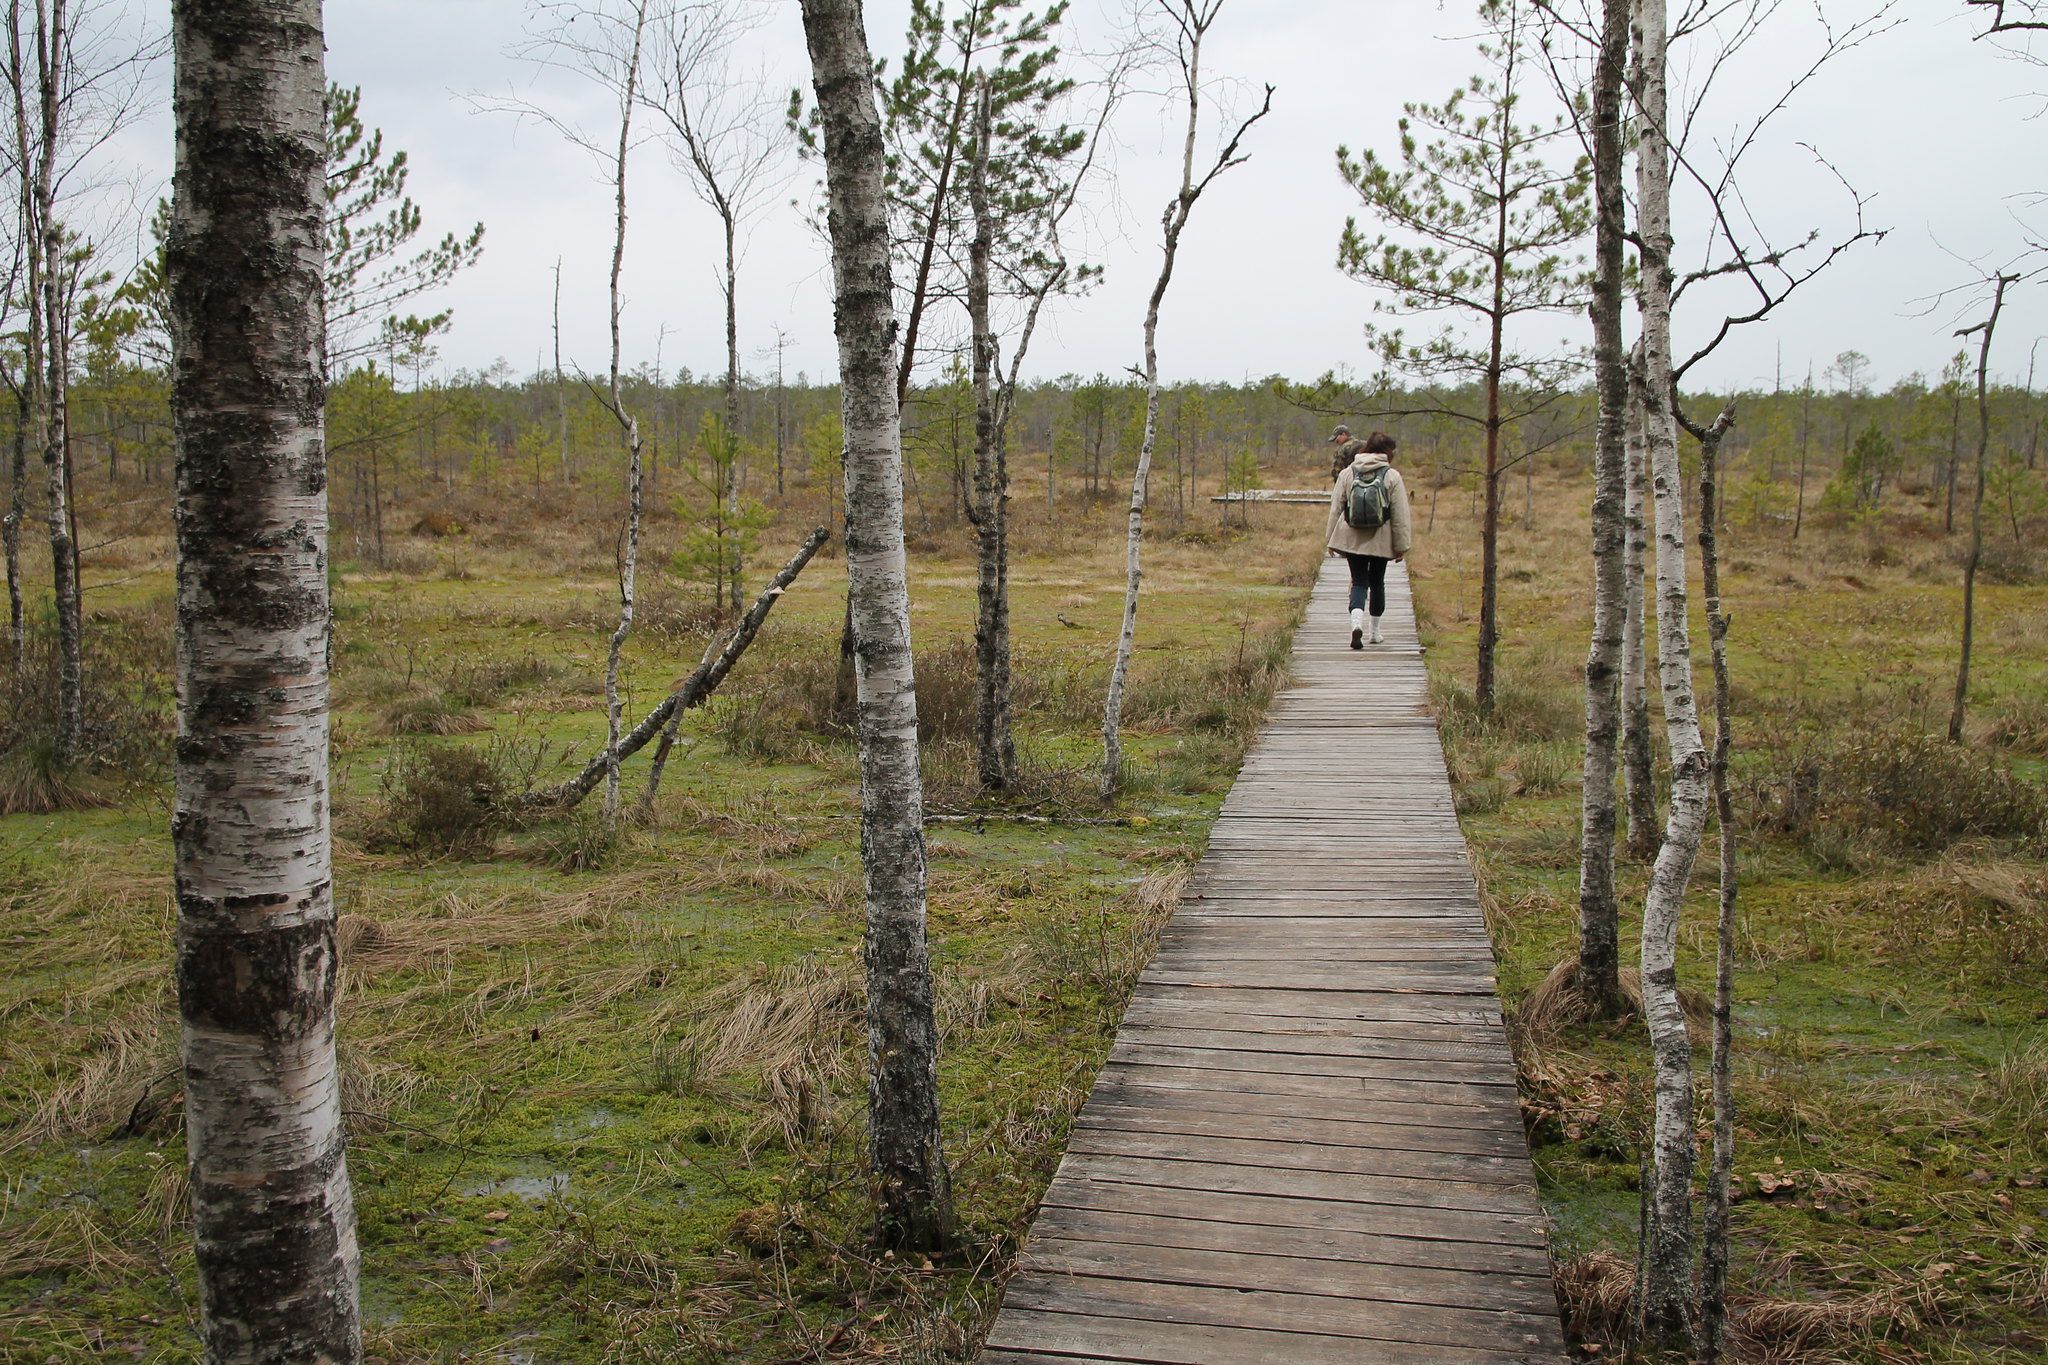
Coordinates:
x,y
1931,127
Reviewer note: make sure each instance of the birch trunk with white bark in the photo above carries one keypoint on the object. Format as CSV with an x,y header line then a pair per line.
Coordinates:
x,y
1665,1321
54,56
903,1091
1193,22
1599,970
10,531
629,429
29,397
1639,754
256,959
1714,1254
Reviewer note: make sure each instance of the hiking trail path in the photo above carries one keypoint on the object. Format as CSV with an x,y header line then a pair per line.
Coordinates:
x,y
1306,1145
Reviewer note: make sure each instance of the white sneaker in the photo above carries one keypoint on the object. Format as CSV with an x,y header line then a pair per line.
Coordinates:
x,y
1376,636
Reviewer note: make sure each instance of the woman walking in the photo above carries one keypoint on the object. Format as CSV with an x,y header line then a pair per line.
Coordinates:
x,y
1369,530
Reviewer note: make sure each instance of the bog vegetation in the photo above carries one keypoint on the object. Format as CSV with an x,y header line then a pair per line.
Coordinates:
x,y
621,1077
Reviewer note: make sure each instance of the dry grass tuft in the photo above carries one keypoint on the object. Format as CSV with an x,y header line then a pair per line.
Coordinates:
x,y
1594,1292
1557,1002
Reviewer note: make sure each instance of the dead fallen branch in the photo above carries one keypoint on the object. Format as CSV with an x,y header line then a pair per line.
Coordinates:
x,y
693,691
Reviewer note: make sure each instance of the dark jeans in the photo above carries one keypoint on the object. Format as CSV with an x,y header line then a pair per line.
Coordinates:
x,y
1368,578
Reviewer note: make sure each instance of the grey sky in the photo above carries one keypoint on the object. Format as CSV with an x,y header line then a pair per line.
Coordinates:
x,y
1931,126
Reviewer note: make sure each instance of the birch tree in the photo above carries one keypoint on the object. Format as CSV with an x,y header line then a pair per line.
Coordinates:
x,y
1664,1292
1480,226
256,960
903,1095
1999,282
629,427
75,75
1714,1230
1190,22
1769,274
602,43
721,127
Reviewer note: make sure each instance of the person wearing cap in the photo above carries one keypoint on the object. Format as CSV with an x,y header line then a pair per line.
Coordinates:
x,y
1347,449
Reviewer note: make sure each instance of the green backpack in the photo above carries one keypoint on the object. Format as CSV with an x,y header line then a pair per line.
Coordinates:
x,y
1368,507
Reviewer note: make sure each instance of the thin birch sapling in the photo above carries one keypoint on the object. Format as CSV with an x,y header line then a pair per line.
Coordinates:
x,y
2000,282
1191,21
1663,1318
629,430
913,1191
602,42
722,131
1714,1224
273,1220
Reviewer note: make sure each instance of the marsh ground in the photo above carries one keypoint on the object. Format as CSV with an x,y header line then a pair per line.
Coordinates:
x,y
606,1101
1892,1035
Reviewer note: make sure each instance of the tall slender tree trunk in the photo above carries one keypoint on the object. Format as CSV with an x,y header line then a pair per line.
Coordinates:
x,y
1638,752
1599,970
29,398
1955,456
1489,531
629,430
1714,1252
1970,565
994,745
1665,1295
10,527
1193,26
53,66
256,961
561,386
1805,443
903,1091
732,408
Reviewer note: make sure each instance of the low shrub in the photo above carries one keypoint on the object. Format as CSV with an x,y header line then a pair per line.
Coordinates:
x,y
127,703
1523,711
441,799
1902,789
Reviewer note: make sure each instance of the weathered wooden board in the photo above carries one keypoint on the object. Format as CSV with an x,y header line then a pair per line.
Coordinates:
x,y
1305,1145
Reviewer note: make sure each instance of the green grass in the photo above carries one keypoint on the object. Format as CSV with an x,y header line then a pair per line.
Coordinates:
x,y
619,1113
1891,1029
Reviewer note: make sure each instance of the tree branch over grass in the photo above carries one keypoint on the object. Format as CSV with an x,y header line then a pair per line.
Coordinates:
x,y
692,692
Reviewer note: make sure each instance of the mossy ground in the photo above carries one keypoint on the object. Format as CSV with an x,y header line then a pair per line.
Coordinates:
x,y
617,1112
1891,1022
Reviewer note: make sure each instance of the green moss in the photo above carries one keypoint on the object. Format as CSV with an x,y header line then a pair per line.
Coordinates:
x,y
542,1161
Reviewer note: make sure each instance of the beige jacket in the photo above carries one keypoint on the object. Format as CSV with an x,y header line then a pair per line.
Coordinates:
x,y
1393,536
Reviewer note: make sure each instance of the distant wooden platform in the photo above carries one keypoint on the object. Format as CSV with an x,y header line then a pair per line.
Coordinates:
x,y
1306,1146
1319,497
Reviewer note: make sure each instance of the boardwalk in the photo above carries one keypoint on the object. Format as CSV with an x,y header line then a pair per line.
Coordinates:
x,y
1305,1146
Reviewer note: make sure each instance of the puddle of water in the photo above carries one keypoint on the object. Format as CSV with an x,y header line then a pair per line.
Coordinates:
x,y
583,1123
532,1188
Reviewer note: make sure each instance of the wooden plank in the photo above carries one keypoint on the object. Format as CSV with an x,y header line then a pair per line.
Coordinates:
x,y
1363,1320
1118,1251
1306,1143
1103,1337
